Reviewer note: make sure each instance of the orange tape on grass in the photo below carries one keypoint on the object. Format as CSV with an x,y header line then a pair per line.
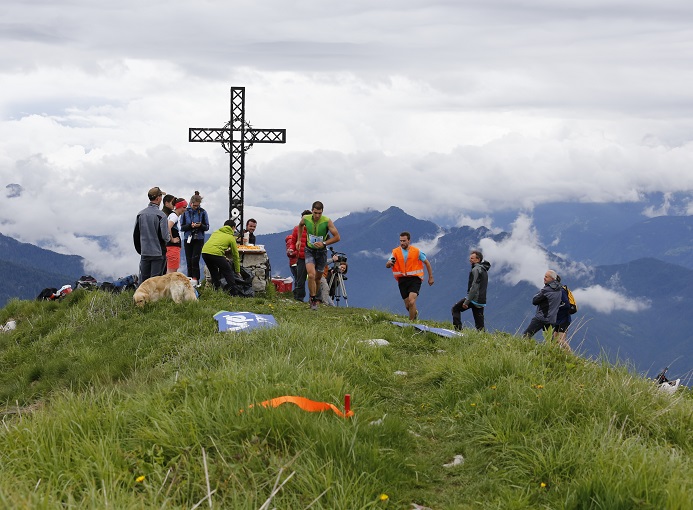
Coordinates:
x,y
307,405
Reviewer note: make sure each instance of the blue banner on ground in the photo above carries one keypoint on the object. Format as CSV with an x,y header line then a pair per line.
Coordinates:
x,y
243,321
447,333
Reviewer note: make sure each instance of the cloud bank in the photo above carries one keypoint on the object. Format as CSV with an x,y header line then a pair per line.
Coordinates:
x,y
604,300
441,108
520,257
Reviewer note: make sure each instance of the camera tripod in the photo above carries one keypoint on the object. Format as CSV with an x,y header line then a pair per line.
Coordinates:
x,y
337,279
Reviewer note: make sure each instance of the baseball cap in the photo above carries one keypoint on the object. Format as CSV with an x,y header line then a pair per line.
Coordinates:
x,y
155,192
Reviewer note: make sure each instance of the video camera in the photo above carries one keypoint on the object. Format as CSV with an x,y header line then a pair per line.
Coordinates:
x,y
336,271
341,257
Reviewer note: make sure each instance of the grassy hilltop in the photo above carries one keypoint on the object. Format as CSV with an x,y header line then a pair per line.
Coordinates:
x,y
108,406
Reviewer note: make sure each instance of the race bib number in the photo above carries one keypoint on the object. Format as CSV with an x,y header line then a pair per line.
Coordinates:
x,y
314,239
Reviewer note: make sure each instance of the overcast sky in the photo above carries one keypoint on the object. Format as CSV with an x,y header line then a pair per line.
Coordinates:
x,y
440,107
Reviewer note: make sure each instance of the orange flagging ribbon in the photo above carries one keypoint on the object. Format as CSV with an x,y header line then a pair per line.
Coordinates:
x,y
306,404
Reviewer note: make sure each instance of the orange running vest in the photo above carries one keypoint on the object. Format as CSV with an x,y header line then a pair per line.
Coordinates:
x,y
413,267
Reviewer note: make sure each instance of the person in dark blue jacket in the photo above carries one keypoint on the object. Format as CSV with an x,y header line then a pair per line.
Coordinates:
x,y
547,301
194,223
563,319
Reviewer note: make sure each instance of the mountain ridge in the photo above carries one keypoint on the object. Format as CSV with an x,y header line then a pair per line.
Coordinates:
x,y
651,337
614,333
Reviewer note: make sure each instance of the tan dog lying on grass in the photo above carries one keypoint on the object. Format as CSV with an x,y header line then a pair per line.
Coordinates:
x,y
176,286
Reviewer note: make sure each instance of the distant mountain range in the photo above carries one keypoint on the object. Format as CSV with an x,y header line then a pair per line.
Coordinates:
x,y
651,339
650,259
614,233
28,269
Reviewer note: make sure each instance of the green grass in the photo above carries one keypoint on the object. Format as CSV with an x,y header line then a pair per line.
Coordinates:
x,y
98,394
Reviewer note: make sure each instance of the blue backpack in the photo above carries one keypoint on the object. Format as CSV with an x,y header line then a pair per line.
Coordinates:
x,y
128,282
125,283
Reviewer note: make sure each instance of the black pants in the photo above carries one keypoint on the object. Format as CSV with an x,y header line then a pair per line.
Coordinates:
x,y
300,285
193,250
219,267
477,312
534,326
151,266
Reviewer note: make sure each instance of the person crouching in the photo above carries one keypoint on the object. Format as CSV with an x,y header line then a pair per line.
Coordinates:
x,y
214,252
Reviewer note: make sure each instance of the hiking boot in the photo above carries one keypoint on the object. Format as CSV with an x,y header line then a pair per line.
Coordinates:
x,y
313,304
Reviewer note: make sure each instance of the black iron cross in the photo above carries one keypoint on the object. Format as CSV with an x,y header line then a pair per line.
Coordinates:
x,y
236,137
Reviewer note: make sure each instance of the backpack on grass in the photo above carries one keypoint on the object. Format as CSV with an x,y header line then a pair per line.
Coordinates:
x,y
47,294
86,282
125,283
108,287
128,282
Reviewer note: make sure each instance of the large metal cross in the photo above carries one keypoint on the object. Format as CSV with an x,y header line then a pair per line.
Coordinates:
x,y
236,137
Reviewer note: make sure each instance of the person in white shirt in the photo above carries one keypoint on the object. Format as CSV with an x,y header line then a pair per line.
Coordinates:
x,y
173,246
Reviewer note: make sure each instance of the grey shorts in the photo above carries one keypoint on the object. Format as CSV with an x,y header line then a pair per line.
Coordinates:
x,y
316,257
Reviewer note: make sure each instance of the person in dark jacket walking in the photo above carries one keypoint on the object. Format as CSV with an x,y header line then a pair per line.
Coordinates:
x,y
476,292
547,301
151,235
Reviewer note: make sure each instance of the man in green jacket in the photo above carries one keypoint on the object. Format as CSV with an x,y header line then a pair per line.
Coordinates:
x,y
214,254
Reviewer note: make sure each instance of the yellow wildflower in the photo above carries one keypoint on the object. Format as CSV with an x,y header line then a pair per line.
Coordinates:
x,y
542,485
140,479
384,497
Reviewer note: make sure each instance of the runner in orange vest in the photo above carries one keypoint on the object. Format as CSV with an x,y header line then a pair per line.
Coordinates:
x,y
407,263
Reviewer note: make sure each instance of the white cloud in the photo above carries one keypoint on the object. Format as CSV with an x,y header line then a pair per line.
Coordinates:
x,y
520,256
429,245
604,300
663,210
485,221
455,108
376,254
